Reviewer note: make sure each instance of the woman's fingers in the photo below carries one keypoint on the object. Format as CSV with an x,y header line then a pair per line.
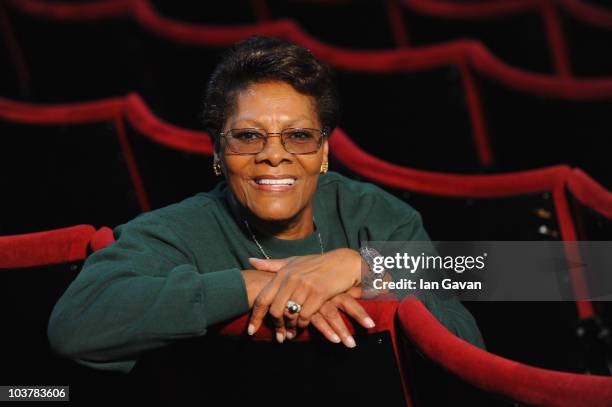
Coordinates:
x,y
278,307
281,334
312,305
262,303
291,319
352,308
319,322
329,311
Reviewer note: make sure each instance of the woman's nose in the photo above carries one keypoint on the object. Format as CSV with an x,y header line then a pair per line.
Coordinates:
x,y
274,151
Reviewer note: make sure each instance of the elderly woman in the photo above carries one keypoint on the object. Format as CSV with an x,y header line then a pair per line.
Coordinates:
x,y
279,235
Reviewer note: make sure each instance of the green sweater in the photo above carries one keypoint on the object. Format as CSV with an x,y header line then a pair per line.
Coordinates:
x,y
175,271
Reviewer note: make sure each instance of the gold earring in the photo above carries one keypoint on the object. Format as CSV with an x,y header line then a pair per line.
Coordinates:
x,y
324,167
217,168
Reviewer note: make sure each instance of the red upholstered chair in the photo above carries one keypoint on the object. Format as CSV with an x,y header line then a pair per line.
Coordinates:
x,y
357,24
517,32
235,366
592,208
64,165
394,112
535,120
591,205
587,26
35,270
309,370
70,52
174,163
521,206
442,356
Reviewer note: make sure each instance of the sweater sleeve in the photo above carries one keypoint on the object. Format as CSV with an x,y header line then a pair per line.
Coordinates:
x,y
449,310
138,294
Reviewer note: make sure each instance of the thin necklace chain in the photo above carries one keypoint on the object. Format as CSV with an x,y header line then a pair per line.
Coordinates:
x,y
261,249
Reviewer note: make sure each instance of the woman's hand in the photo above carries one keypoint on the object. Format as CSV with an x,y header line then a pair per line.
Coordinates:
x,y
329,322
307,280
255,281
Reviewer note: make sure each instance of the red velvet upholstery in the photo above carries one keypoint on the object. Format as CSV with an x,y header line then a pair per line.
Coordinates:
x,y
45,248
138,114
35,270
491,373
101,238
590,193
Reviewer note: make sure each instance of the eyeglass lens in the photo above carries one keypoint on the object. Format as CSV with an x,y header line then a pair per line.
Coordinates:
x,y
253,141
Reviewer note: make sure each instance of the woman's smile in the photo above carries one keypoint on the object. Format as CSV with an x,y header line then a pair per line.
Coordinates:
x,y
274,183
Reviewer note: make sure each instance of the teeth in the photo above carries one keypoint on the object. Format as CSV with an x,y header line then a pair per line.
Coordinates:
x,y
269,181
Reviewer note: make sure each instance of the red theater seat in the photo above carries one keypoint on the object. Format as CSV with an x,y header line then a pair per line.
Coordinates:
x,y
396,114
357,24
440,352
592,206
174,373
514,206
515,31
588,28
553,121
63,165
35,270
174,163
239,367
72,52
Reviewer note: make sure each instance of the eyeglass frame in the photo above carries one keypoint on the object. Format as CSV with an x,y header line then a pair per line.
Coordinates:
x,y
324,133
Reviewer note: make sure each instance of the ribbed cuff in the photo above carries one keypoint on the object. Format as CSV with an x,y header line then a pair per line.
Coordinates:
x,y
224,295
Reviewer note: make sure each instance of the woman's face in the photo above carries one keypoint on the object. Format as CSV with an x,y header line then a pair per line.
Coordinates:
x,y
272,107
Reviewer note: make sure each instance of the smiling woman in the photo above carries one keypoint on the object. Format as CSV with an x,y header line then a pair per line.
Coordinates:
x,y
274,177
279,235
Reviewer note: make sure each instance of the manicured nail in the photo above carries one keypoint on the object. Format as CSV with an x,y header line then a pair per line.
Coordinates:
x,y
251,329
336,339
350,342
290,335
280,337
253,258
369,323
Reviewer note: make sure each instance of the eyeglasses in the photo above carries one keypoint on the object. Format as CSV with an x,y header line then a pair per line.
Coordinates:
x,y
294,140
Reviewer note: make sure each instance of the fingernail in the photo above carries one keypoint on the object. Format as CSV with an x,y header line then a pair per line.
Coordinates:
x,y
369,323
290,335
251,329
279,337
350,342
253,258
336,339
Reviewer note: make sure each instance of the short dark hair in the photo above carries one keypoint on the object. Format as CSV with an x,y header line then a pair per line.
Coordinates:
x,y
261,59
